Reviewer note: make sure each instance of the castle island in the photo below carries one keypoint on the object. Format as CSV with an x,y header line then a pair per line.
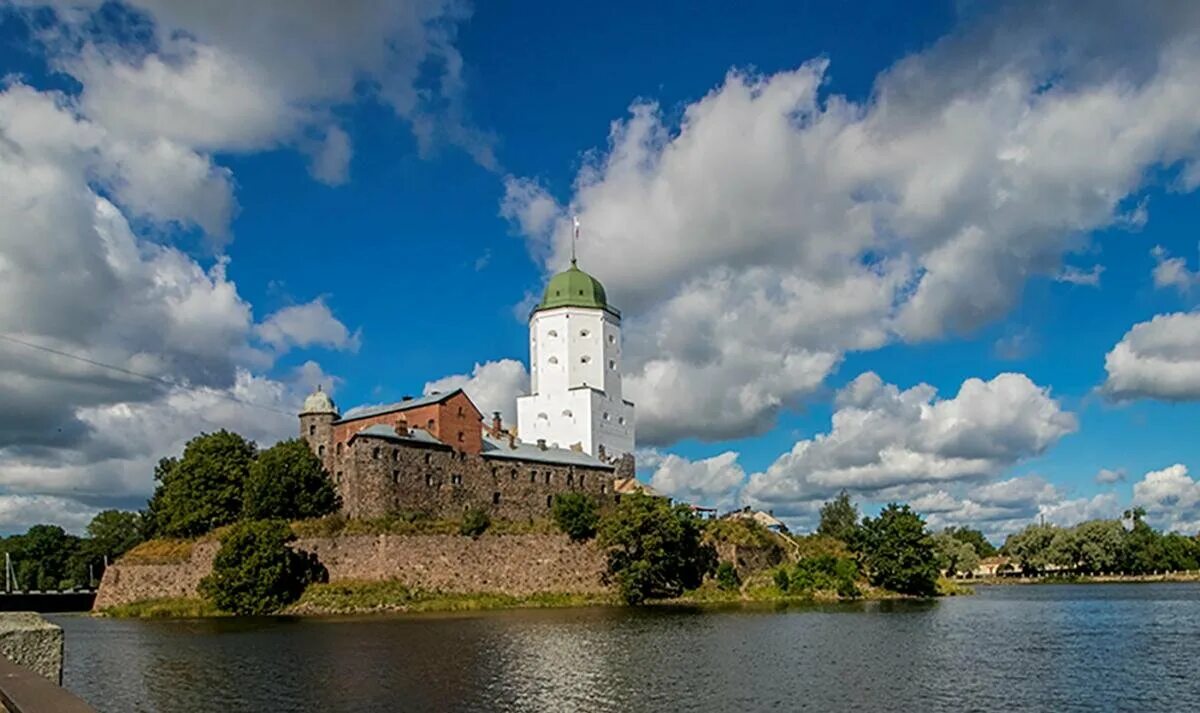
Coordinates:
x,y
437,455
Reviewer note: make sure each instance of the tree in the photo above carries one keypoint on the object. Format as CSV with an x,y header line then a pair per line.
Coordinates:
x,y
577,515
897,552
203,489
839,518
974,538
112,533
287,481
1031,547
955,556
255,572
1100,546
47,558
655,550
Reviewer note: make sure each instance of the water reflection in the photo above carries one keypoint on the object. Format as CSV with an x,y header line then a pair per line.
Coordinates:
x,y
1010,648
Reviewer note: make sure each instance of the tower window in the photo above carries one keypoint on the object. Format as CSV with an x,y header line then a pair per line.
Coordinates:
x,y
339,449
570,480
461,436
585,358
606,415
456,479
612,364
568,414
621,420
547,477
552,333
533,476
584,332
553,360
395,477
375,453
612,339
460,411
429,479
495,498
581,480
338,478
549,501
312,430
428,458
320,451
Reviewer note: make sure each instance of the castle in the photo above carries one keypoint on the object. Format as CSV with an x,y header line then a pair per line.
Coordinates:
x,y
436,455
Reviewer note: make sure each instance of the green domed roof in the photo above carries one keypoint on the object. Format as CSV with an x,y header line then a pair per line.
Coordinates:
x,y
575,288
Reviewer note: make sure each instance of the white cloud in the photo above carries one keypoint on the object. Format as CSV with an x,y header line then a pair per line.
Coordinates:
x,y
20,512
306,325
1078,276
1108,476
884,438
711,481
493,386
776,225
1159,359
1171,498
330,160
1172,272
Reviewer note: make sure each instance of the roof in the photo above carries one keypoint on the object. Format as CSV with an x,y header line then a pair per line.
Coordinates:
x,y
415,435
763,518
405,405
498,448
575,288
318,402
629,486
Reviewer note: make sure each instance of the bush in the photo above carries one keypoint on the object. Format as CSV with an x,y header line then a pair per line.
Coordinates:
x,y
255,572
202,490
577,515
825,573
727,577
655,550
474,523
783,580
287,481
897,551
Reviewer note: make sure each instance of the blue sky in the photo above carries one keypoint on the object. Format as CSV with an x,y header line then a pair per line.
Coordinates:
x,y
782,197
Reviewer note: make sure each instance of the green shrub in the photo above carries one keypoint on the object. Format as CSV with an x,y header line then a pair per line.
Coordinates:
x,y
824,573
474,523
727,577
577,515
655,550
783,580
255,572
898,552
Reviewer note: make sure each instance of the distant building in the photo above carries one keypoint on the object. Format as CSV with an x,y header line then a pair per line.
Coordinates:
x,y
435,455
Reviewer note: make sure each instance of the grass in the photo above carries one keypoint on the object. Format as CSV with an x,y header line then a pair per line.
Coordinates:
x,y
950,588
178,608
410,523
161,551
357,597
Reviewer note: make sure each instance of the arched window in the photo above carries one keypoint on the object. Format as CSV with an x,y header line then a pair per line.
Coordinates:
x,y
547,477
549,501
581,480
320,451
312,430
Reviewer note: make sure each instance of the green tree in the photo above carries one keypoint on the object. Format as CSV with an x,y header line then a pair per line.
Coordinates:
x,y
287,481
897,552
203,489
474,523
1031,547
974,538
728,578
655,550
47,558
1100,546
839,518
255,572
111,533
576,514
955,556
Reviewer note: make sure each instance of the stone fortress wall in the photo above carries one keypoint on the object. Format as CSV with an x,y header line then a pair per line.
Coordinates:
x,y
516,565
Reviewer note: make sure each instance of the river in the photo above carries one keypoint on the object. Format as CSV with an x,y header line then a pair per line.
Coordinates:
x,y
1032,647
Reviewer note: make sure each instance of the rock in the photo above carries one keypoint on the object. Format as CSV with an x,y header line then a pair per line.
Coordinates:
x,y
28,640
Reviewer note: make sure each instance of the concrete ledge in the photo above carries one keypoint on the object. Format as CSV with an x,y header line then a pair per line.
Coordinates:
x,y
23,691
28,640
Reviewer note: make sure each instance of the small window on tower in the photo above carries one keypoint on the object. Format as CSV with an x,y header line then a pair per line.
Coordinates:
x,y
612,364
585,359
552,333
312,430
339,449
495,498
612,339
584,332
553,360
606,415
568,414
429,479
320,451
621,420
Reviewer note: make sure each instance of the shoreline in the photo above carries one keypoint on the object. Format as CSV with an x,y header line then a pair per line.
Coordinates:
x,y
1173,577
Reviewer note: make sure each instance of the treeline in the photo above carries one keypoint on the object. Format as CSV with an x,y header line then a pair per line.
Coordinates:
x,y
1127,546
47,557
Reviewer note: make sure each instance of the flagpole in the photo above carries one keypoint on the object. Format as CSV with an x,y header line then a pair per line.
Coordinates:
x,y
574,236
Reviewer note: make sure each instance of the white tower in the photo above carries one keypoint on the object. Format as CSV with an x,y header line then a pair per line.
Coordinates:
x,y
575,370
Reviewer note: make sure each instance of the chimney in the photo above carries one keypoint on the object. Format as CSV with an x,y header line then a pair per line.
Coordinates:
x,y
600,452
512,441
406,397
402,427
541,443
497,425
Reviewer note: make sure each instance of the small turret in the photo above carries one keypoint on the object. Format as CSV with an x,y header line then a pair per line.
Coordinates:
x,y
316,425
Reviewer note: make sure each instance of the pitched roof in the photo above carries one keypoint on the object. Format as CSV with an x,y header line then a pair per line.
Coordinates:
x,y
628,486
415,435
426,400
498,448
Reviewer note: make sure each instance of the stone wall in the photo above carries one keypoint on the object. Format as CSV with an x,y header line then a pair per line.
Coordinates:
x,y
28,640
377,476
503,564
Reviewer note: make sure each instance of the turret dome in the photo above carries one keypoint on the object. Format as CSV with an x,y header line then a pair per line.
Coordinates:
x,y
318,402
575,288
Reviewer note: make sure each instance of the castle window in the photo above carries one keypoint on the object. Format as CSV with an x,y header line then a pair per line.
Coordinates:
x,y
339,449
567,413
338,477
495,498
612,364
581,480
533,476
320,451
312,430
395,477
612,339
585,358
549,501
428,458
584,333
553,360
375,452
429,479
547,477
552,333
395,454
570,480
461,436
456,479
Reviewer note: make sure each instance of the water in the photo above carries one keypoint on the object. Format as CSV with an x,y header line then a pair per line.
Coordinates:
x,y
1046,647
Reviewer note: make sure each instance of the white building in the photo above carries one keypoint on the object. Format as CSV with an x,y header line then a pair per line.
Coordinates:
x,y
575,368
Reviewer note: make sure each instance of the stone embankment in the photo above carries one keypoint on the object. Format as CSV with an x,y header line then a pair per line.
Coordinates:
x,y
31,662
515,565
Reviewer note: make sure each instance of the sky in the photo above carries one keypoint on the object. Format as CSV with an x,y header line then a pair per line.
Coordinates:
x,y
940,253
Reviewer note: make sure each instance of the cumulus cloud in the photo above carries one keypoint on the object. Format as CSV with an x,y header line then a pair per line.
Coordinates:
x,y
1171,498
776,226
1108,476
493,386
330,160
1172,272
711,481
884,438
306,325
1159,359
